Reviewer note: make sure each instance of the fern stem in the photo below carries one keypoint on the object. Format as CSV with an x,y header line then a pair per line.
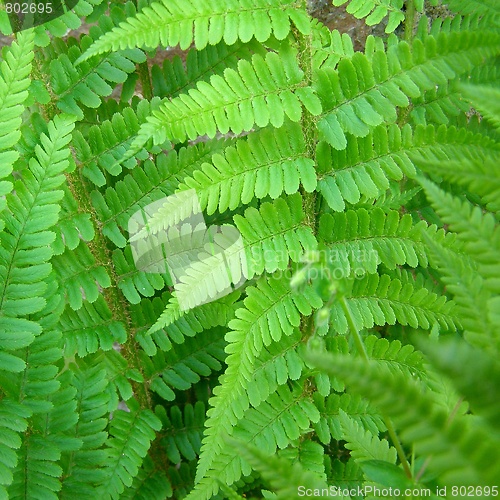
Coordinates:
x,y
116,302
397,444
360,346
358,341
409,20
145,79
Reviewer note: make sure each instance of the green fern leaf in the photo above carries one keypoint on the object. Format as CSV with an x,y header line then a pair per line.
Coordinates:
x,y
481,178
483,7
270,310
148,184
354,104
25,242
176,77
100,149
364,445
330,46
359,240
375,299
273,161
275,234
376,10
132,433
485,99
13,421
14,82
134,282
183,431
358,410
151,483
80,276
283,476
257,93
176,324
86,84
476,230
182,23
90,328
453,445
273,424
185,363
481,386
83,471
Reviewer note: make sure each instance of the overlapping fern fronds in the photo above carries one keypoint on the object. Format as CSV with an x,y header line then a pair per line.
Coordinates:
x,y
265,240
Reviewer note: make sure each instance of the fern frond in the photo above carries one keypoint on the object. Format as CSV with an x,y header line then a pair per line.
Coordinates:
x,y
267,163
134,282
480,387
73,227
275,234
71,19
375,10
345,474
40,389
359,411
90,328
364,444
259,92
270,310
364,91
82,469
359,240
177,324
175,77
184,23
367,164
399,358
80,276
478,232
481,177
14,82
86,84
151,483
131,433
282,475
100,148
461,452
25,242
13,421
147,184
329,46
309,454
273,424
185,363
462,280
183,431
365,167
230,254
276,364
379,300
483,7
440,105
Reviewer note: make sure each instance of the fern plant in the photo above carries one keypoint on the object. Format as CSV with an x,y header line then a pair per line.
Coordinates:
x,y
346,341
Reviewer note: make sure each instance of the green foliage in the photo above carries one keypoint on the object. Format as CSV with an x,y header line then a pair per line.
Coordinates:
x,y
320,307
